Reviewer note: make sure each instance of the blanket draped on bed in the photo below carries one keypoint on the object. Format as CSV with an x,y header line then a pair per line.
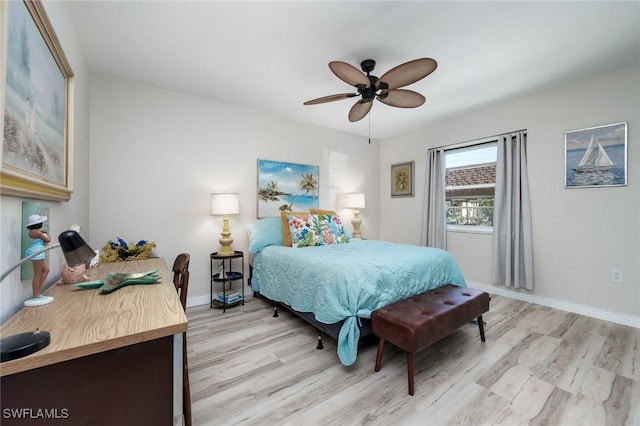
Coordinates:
x,y
345,281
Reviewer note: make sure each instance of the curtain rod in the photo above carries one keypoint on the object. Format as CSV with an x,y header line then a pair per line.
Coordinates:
x,y
475,142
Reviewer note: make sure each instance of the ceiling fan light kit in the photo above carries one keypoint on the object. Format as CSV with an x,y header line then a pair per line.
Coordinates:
x,y
386,88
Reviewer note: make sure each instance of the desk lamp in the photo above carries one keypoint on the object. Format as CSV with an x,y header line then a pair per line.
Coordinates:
x,y
356,201
76,251
225,204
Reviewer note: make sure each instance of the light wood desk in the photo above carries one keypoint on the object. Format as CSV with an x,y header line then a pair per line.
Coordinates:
x,y
113,359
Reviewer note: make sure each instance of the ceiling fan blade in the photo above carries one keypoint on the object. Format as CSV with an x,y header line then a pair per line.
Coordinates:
x,y
330,98
349,74
407,73
359,110
401,98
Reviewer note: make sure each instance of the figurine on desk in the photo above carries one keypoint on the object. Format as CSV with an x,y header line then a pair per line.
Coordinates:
x,y
40,268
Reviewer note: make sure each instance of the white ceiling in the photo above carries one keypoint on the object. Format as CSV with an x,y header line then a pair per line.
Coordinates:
x,y
273,56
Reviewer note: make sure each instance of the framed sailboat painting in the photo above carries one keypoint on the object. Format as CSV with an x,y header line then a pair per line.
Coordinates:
x,y
596,156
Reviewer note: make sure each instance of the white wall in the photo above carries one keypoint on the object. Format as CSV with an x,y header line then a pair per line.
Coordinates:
x,y
13,291
157,155
579,234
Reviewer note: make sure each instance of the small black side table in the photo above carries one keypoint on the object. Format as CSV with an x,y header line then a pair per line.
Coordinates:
x,y
222,271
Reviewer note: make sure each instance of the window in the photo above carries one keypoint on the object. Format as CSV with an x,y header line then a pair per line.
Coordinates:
x,y
470,181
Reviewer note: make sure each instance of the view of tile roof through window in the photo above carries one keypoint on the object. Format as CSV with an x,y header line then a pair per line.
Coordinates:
x,y
471,172
474,175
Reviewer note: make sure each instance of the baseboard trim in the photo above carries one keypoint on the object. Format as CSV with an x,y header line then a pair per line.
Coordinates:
x,y
197,301
589,311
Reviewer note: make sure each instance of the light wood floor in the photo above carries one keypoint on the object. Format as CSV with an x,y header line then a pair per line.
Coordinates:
x,y
538,366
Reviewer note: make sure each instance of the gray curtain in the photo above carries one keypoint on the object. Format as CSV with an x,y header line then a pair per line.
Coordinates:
x,y
434,226
512,236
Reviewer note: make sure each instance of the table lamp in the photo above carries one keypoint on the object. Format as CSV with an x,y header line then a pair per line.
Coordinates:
x,y
356,201
76,251
225,204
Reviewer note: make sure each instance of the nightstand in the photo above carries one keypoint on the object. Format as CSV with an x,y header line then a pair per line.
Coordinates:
x,y
226,273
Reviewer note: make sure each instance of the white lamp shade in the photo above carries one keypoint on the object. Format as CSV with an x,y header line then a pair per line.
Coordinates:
x,y
355,201
225,203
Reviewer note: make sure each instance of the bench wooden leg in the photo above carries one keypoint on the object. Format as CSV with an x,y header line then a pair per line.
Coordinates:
x,y
379,354
410,371
481,326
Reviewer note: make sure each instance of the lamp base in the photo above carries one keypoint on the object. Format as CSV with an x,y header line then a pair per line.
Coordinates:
x,y
23,344
225,239
356,222
226,251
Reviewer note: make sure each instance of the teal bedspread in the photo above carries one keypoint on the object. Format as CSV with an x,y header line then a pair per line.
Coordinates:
x,y
345,281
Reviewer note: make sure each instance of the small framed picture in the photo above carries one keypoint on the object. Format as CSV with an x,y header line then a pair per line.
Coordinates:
x,y
402,179
596,156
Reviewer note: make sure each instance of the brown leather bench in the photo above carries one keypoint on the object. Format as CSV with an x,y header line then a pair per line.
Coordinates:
x,y
415,323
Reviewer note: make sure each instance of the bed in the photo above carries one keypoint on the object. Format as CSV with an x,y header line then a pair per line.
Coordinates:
x,y
340,284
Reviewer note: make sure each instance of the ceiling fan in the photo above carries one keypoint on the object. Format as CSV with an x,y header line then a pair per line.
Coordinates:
x,y
386,88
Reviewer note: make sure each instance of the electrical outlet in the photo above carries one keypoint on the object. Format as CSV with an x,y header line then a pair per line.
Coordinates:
x,y
616,275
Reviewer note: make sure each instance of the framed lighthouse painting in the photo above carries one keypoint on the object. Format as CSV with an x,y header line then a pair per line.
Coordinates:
x,y
596,156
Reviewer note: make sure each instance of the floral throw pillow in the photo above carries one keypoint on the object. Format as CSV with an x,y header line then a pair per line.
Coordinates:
x,y
305,230
332,229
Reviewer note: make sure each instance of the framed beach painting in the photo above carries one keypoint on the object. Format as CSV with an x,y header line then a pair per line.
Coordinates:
x,y
37,107
596,156
286,187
